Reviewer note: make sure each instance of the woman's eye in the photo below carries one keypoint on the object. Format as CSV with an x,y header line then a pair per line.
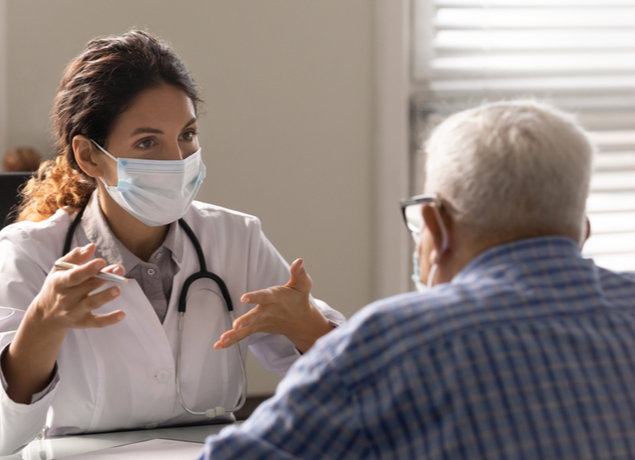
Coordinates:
x,y
145,144
188,136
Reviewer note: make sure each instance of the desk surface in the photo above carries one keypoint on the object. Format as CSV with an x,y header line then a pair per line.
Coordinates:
x,y
64,446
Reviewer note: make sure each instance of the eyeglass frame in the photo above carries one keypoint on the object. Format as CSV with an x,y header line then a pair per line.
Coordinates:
x,y
420,200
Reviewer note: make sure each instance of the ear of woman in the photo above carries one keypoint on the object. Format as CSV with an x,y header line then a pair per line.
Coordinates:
x,y
85,155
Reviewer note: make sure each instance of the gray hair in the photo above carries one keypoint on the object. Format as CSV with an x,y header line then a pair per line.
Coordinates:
x,y
517,168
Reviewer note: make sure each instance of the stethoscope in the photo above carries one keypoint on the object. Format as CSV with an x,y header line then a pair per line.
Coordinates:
x,y
202,273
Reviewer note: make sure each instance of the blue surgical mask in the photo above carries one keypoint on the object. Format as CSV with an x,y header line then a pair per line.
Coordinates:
x,y
416,276
157,192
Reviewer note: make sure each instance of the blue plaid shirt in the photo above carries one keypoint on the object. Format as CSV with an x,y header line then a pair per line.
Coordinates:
x,y
529,353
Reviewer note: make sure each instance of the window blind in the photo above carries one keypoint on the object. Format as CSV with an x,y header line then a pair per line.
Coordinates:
x,y
578,54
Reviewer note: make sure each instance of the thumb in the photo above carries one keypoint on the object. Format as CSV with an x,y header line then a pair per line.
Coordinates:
x,y
300,279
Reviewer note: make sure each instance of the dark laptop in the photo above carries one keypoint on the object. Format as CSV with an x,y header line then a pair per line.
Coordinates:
x,y
10,185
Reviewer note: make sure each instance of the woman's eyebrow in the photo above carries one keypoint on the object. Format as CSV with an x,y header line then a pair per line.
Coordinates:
x,y
146,131
192,121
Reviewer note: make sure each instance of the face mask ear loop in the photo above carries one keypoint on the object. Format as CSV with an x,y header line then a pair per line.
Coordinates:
x,y
433,271
444,232
103,149
107,154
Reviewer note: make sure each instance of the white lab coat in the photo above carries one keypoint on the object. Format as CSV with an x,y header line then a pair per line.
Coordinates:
x,y
123,376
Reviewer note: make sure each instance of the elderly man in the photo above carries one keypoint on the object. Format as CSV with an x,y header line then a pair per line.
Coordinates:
x,y
521,350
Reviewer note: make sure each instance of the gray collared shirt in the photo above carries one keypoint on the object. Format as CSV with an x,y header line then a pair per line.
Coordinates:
x,y
154,276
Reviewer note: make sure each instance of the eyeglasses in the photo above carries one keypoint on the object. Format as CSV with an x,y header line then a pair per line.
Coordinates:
x,y
412,215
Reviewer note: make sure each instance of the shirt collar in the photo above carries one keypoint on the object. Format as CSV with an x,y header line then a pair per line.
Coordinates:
x,y
111,249
174,242
517,252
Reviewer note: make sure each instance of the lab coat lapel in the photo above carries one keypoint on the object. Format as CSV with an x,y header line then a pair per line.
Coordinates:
x,y
141,325
145,323
142,340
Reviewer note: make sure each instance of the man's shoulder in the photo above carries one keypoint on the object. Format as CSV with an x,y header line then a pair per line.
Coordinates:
x,y
494,301
444,302
428,316
612,279
385,331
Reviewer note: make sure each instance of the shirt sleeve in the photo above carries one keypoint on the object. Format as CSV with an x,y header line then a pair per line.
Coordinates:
x,y
315,414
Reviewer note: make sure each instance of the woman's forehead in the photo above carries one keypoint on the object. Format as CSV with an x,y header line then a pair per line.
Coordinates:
x,y
157,109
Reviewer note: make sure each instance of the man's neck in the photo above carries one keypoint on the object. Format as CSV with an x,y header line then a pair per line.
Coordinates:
x,y
466,247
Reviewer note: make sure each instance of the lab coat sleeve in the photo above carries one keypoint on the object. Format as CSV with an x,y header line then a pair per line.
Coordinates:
x,y
37,396
20,423
21,279
267,268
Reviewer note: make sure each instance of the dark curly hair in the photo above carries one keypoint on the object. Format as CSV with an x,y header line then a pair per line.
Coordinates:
x,y
97,86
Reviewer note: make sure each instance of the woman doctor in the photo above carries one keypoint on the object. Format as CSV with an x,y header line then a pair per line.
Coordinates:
x,y
127,169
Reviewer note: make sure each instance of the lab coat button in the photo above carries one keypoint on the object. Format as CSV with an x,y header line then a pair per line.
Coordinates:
x,y
150,271
151,426
163,376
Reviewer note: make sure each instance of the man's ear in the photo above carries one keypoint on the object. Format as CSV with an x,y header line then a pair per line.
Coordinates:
x,y
85,153
587,234
431,219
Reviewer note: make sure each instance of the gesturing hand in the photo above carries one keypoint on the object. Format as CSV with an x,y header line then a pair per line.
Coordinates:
x,y
285,310
65,302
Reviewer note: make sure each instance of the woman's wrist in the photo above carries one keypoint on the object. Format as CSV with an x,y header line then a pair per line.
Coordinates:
x,y
313,328
29,362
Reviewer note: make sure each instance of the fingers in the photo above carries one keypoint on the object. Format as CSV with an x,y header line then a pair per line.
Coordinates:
x,y
262,297
300,279
83,274
114,269
65,299
95,301
80,254
232,337
242,328
99,321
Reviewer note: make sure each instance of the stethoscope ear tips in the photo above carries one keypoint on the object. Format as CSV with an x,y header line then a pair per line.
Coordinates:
x,y
211,413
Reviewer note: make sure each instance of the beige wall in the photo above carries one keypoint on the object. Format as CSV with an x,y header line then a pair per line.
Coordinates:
x,y
287,129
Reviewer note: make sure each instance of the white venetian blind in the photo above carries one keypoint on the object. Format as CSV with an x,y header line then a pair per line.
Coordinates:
x,y
579,54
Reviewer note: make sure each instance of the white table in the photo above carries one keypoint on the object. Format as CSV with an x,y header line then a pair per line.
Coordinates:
x,y
64,446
